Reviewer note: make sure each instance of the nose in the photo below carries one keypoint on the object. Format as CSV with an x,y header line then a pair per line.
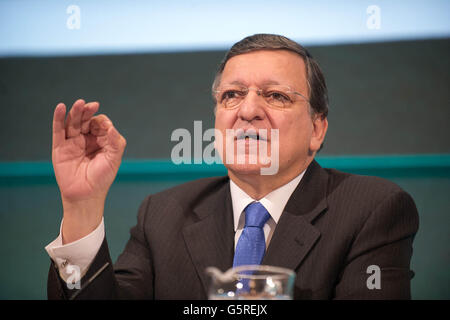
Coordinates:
x,y
252,107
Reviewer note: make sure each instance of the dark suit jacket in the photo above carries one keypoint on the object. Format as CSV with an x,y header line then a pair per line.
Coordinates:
x,y
334,226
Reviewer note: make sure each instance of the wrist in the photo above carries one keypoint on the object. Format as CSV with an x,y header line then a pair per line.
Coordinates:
x,y
81,218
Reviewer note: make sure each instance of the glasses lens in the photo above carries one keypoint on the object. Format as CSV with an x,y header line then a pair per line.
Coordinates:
x,y
231,96
278,96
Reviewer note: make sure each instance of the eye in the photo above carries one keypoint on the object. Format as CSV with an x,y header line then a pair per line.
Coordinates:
x,y
231,94
228,94
278,96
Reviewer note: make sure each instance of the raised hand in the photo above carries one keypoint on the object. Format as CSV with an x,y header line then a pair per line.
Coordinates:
x,y
86,154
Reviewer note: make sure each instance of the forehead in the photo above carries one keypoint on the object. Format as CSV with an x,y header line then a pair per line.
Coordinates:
x,y
266,66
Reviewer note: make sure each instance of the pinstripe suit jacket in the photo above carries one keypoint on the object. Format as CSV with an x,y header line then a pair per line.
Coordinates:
x,y
334,226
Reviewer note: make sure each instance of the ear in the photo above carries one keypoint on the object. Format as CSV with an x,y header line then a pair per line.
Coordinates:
x,y
320,126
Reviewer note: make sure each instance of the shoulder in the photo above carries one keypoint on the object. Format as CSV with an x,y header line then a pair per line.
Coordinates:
x,y
189,193
194,189
359,198
359,186
362,195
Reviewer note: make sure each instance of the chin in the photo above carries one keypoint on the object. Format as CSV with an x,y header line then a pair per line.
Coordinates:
x,y
245,169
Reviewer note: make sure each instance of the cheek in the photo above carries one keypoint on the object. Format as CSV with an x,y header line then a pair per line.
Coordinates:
x,y
292,128
224,120
295,134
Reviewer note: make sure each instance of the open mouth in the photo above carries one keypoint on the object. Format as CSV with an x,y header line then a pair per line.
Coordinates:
x,y
251,134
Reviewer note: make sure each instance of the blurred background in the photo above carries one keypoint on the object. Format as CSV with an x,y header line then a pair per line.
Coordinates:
x,y
151,64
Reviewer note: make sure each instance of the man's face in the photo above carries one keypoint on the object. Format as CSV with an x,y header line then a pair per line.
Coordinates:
x,y
296,130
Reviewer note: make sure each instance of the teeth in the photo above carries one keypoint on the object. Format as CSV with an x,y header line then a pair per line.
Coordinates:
x,y
250,134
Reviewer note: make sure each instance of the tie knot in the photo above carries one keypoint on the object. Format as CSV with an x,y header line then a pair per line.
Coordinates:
x,y
256,215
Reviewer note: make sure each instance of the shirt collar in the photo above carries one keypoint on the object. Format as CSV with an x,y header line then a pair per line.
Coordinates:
x,y
274,202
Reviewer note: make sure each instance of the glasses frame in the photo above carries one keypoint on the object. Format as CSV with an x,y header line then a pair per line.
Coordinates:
x,y
258,92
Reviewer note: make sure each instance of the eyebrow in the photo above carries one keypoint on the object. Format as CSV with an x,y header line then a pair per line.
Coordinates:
x,y
267,82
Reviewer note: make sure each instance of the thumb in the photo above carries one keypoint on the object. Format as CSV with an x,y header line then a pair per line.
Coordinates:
x,y
116,142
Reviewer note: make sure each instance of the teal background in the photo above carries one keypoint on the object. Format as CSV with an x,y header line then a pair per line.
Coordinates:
x,y
389,113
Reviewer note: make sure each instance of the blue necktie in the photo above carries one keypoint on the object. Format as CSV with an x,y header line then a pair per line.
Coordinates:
x,y
251,244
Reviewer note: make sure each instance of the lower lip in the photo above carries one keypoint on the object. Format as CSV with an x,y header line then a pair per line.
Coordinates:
x,y
248,139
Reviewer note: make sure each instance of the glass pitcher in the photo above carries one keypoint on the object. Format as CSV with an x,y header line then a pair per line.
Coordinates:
x,y
251,282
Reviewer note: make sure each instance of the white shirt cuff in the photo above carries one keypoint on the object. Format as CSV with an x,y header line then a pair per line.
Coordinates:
x,y
73,259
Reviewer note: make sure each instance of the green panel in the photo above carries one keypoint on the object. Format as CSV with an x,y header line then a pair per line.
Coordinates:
x,y
385,98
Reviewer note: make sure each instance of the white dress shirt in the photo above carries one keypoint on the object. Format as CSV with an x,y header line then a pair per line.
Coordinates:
x,y
78,255
274,203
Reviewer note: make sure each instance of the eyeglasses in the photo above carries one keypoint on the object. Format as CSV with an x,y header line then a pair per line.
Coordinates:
x,y
277,96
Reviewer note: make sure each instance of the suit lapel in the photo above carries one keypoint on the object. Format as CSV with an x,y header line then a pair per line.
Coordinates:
x,y
294,234
210,240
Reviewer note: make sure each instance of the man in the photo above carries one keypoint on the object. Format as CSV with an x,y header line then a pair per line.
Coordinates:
x,y
330,227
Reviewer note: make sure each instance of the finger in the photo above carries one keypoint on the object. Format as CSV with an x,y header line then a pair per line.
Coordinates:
x,y
73,122
116,143
89,110
59,132
99,125
95,144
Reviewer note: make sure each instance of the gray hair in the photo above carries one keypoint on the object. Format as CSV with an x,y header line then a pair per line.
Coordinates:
x,y
318,94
